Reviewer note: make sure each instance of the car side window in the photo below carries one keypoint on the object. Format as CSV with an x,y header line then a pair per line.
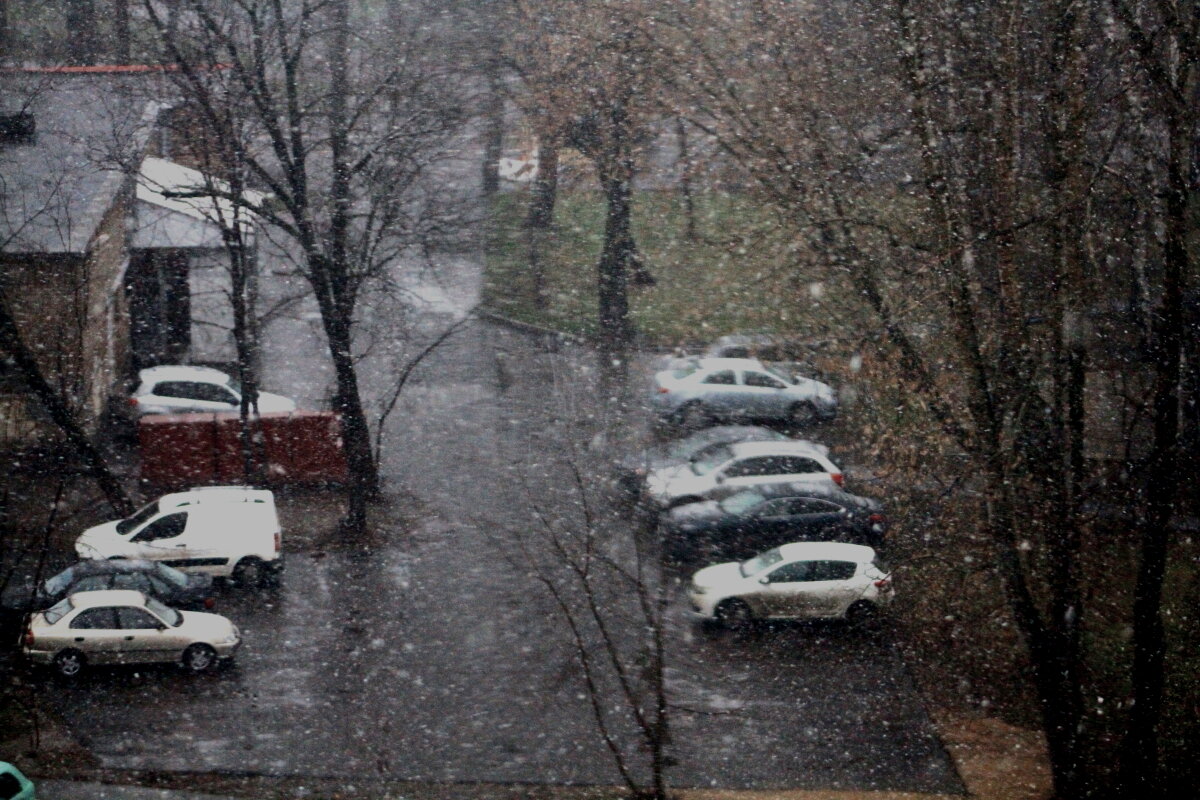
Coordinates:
x,y
832,570
797,465
163,528
170,389
91,583
131,580
774,508
795,572
808,505
213,394
763,379
95,619
749,466
724,378
129,618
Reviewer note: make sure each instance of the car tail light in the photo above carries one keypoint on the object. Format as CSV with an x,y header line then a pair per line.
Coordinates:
x,y
278,541
28,637
876,518
883,583
209,602
663,390
133,401
838,478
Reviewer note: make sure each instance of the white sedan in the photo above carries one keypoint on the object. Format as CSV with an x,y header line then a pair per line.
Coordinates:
x,y
117,626
700,391
187,389
721,470
802,580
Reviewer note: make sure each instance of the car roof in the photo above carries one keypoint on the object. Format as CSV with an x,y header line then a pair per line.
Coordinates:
x,y
109,566
773,491
214,495
731,363
182,372
108,597
760,447
797,551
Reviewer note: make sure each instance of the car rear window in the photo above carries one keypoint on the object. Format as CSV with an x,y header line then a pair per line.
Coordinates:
x,y
57,611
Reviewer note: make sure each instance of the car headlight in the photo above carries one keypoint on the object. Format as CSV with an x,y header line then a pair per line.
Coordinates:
x,y
698,589
233,637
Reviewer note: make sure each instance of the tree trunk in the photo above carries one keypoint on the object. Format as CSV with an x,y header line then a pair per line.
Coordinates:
x,y
27,366
122,43
541,215
545,185
81,32
493,142
1139,761
613,278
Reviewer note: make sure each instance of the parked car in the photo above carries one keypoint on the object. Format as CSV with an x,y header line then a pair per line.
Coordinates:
x,y
14,785
167,584
223,531
721,470
715,389
126,627
752,520
182,389
799,580
632,471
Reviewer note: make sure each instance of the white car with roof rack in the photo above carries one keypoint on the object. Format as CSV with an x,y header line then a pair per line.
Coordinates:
x,y
187,389
223,531
700,391
720,470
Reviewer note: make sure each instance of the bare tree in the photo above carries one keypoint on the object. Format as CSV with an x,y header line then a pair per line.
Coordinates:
x,y
344,131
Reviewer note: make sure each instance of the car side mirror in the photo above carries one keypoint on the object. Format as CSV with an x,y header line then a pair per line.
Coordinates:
x,y
720,478
764,580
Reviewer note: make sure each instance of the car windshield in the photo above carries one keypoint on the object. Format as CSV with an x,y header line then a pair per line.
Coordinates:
x,y
171,575
233,384
682,372
125,526
741,502
57,611
166,613
59,582
760,562
710,458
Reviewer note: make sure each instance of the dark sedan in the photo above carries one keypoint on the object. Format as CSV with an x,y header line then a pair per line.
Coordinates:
x,y
757,519
168,584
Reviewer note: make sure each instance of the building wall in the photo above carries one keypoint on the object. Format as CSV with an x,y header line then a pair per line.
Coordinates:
x,y
73,316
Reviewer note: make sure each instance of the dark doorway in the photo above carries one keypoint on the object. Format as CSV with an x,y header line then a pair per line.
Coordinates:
x,y
160,313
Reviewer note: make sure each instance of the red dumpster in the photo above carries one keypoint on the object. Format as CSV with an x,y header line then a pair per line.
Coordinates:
x,y
196,449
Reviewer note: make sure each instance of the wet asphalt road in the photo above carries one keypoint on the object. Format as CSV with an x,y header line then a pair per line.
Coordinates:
x,y
432,654
433,657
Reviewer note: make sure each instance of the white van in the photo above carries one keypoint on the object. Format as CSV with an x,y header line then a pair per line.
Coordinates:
x,y
224,531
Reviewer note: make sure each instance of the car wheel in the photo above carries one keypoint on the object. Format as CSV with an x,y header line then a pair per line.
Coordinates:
x,y
693,417
249,572
735,615
862,614
199,658
69,663
802,415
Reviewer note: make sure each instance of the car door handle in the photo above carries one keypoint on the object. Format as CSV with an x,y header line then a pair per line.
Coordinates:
x,y
79,638
181,545
129,638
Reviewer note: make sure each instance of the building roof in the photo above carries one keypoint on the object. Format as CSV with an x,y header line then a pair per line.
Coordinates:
x,y
91,129
168,217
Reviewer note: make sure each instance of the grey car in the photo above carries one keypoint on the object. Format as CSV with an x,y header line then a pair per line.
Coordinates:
x,y
706,390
